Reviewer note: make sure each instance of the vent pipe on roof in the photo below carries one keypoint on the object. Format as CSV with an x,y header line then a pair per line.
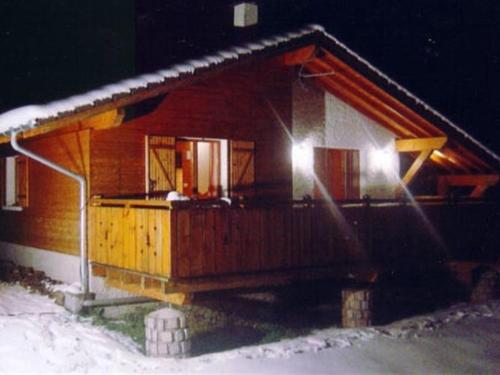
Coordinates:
x,y
246,14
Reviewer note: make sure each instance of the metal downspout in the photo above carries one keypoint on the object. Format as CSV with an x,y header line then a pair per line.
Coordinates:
x,y
84,267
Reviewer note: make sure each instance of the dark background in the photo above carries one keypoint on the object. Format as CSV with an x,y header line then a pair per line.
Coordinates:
x,y
445,51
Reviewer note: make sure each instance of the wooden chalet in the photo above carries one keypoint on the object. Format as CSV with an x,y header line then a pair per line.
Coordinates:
x,y
220,131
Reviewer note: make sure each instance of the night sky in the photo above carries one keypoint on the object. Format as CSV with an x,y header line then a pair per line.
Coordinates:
x,y
445,51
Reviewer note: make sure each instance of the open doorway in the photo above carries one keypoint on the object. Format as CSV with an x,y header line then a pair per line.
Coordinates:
x,y
198,168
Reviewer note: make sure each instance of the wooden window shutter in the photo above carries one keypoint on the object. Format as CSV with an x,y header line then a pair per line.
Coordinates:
x,y
21,181
338,171
161,163
351,168
242,168
321,170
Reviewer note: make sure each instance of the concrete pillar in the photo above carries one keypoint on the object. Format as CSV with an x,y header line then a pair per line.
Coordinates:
x,y
356,307
167,334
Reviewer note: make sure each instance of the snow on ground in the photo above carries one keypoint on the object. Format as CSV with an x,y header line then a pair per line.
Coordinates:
x,y
38,336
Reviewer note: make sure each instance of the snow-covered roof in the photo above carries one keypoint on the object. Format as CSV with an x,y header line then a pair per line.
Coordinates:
x,y
31,116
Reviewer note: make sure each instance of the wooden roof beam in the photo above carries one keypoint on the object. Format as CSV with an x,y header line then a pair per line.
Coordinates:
x,y
419,144
463,160
444,160
110,119
441,162
368,97
360,104
426,146
462,155
470,179
480,183
471,156
299,56
369,86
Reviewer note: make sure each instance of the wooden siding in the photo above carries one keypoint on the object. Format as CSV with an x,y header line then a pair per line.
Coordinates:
x,y
118,162
51,219
234,105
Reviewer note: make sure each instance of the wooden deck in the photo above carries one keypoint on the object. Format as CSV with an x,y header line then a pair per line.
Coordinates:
x,y
157,248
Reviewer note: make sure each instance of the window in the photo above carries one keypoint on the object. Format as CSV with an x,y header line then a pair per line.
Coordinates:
x,y
14,182
193,167
338,171
198,167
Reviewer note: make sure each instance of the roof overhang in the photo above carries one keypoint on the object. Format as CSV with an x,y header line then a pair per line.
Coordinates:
x,y
329,62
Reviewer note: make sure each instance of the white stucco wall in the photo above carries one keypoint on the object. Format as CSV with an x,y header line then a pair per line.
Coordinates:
x,y
58,266
322,120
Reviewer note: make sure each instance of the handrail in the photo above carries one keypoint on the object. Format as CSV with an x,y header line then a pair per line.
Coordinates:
x,y
96,202
263,203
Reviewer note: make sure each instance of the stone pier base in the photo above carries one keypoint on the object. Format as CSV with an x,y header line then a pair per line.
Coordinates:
x,y
356,307
167,334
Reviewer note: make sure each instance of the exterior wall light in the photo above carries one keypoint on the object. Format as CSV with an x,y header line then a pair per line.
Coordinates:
x,y
382,160
302,157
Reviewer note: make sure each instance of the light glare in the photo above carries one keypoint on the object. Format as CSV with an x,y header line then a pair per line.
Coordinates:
x,y
382,160
302,157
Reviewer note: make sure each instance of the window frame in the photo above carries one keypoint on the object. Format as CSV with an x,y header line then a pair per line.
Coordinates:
x,y
19,175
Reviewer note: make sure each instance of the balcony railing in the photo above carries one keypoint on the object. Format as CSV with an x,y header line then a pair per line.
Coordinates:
x,y
179,240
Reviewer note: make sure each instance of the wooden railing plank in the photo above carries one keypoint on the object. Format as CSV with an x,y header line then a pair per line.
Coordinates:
x,y
151,237
183,242
167,235
130,239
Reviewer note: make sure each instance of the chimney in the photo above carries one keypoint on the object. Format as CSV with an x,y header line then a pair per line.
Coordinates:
x,y
246,14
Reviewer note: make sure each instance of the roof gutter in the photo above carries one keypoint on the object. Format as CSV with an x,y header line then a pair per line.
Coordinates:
x,y
84,267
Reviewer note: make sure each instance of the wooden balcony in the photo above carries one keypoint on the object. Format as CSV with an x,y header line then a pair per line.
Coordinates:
x,y
157,248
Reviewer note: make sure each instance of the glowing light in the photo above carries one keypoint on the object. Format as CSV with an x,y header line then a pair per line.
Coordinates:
x,y
438,153
382,160
443,156
302,157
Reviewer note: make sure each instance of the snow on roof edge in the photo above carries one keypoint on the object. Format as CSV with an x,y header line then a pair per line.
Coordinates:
x,y
28,117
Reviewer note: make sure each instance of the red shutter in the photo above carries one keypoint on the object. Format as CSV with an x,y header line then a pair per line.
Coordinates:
x,y
352,190
338,171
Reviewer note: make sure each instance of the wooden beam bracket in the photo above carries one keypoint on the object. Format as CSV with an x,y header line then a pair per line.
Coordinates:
x,y
420,144
480,183
426,146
